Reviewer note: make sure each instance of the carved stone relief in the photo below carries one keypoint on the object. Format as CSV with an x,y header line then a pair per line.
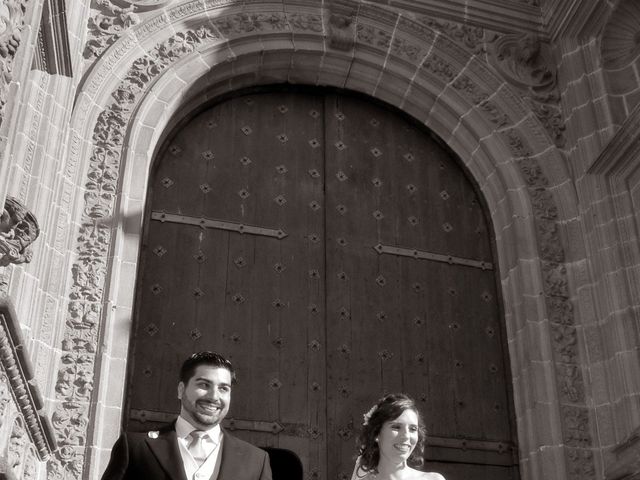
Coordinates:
x,y
21,459
341,31
523,61
621,37
109,22
564,338
11,25
526,63
468,36
18,230
17,445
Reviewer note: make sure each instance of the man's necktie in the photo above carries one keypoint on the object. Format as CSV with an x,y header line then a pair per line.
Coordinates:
x,y
196,448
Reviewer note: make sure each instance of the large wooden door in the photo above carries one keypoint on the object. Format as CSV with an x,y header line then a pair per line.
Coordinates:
x,y
334,251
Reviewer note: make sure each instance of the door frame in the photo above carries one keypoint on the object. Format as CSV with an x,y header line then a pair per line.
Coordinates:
x,y
510,157
152,418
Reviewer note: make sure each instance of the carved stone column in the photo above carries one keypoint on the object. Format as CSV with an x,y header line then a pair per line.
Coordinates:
x,y
26,434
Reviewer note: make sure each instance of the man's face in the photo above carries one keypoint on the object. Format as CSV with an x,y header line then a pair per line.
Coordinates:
x,y
206,396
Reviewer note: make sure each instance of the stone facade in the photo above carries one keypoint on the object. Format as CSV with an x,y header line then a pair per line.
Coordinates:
x,y
539,99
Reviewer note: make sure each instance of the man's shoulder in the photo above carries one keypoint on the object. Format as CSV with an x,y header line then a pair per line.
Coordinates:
x,y
239,444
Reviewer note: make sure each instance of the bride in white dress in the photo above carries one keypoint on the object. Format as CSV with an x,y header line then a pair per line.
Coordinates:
x,y
392,442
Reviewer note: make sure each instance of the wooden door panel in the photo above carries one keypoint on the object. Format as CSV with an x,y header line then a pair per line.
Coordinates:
x,y
257,297
335,252
428,328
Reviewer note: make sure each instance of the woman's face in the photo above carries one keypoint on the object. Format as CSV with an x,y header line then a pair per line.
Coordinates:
x,y
398,437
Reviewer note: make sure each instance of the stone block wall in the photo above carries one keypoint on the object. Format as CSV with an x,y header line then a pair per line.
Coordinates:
x,y
592,125
599,83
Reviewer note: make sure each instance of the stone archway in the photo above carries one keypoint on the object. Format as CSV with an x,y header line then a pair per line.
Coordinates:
x,y
203,50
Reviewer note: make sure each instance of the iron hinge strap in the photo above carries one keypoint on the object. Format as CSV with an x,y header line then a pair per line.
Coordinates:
x,y
422,255
204,222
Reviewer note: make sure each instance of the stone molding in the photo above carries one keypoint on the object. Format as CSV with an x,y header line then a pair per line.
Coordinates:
x,y
52,53
528,65
111,20
620,39
627,459
19,372
393,40
516,16
621,154
579,19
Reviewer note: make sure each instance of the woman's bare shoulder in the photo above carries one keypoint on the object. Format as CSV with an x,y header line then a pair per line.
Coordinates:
x,y
425,476
430,476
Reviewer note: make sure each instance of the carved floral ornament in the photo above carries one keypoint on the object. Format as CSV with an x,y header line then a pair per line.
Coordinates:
x,y
76,371
11,24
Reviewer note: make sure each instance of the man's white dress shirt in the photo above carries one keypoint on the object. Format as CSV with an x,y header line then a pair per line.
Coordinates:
x,y
212,444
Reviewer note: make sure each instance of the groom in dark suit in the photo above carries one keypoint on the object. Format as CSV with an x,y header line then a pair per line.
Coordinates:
x,y
194,447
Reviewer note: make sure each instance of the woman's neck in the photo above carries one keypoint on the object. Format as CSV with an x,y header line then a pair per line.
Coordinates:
x,y
391,470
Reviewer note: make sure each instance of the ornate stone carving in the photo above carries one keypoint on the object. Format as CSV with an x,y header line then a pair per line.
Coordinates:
x,y
440,68
581,464
470,89
564,338
527,64
621,37
576,426
18,442
520,149
468,36
308,22
571,384
18,230
107,25
494,113
5,397
341,31
11,25
21,381
245,23
20,456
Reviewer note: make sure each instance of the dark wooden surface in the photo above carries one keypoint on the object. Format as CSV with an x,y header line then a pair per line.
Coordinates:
x,y
318,323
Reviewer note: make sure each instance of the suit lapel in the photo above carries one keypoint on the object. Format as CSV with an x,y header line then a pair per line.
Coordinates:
x,y
166,450
229,458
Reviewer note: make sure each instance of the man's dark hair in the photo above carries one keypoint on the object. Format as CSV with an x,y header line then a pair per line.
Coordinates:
x,y
212,359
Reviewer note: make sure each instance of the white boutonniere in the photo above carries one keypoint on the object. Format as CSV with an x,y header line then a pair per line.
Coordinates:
x,y
153,434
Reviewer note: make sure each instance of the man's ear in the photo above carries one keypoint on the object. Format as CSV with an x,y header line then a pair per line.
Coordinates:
x,y
180,390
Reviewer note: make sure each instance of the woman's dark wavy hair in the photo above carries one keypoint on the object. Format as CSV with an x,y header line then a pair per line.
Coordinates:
x,y
388,408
